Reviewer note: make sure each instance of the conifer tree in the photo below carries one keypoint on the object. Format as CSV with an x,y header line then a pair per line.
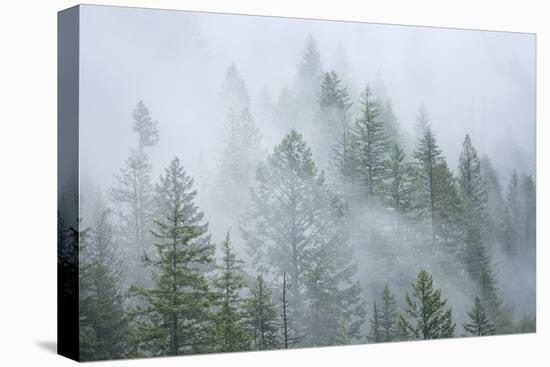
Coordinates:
x,y
234,93
391,124
133,192
435,194
398,184
334,311
388,315
422,123
231,328
309,73
478,324
175,315
528,212
474,199
375,332
103,322
426,316
510,225
332,116
371,144
292,214
262,316
242,149
495,200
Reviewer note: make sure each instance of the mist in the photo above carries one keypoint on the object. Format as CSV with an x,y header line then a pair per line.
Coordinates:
x,y
476,83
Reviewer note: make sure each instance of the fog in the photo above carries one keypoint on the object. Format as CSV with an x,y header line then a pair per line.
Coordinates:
x,y
480,83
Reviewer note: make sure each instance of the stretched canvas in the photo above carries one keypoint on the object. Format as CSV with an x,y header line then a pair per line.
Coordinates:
x,y
238,183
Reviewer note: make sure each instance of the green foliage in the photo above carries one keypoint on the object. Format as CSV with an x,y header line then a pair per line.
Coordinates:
x,y
334,313
398,184
103,323
478,324
426,316
174,315
262,317
231,327
371,144
292,214
435,195
144,126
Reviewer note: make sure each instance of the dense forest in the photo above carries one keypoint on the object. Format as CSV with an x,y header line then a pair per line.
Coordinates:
x,y
349,229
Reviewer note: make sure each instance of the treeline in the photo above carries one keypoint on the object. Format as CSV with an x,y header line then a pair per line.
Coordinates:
x,y
317,216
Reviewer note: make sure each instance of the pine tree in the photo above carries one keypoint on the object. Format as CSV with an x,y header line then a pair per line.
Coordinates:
x,y
262,316
435,194
145,127
231,328
398,184
309,73
375,332
474,199
334,311
391,124
371,144
388,316
510,225
133,192
292,213
332,116
103,322
495,200
422,123
242,149
528,213
479,324
426,316
234,93
175,317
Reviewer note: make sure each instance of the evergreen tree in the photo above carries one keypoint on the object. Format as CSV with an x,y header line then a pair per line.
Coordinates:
x,y
435,194
332,116
371,144
391,124
426,316
495,200
262,315
175,317
133,192
375,332
334,311
309,73
510,225
422,123
388,316
292,213
234,93
528,213
474,199
103,323
145,127
231,328
478,324
241,153
398,184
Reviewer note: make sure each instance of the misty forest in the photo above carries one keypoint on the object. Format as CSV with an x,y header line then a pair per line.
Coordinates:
x,y
316,215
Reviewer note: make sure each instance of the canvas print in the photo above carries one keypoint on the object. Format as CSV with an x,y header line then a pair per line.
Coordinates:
x,y
233,183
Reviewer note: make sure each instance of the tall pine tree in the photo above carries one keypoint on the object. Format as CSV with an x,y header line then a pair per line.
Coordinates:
x,y
175,315
231,328
262,317
426,316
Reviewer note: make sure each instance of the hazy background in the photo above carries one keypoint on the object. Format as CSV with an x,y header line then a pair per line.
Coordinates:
x,y
470,81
